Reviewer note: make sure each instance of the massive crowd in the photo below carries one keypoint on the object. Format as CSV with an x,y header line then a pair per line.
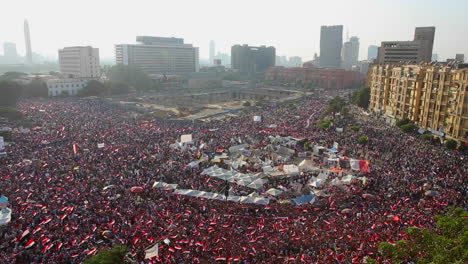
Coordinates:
x,y
63,201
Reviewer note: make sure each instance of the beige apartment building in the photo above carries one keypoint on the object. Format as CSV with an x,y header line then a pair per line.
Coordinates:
x,y
80,62
434,97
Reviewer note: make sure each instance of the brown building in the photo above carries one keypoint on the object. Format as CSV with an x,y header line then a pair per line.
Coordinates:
x,y
319,77
434,97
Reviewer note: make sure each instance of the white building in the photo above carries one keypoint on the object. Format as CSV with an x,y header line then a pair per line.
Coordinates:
x,y
80,62
65,87
157,55
350,53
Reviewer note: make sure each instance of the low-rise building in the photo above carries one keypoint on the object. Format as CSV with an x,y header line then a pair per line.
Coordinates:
x,y
65,87
319,77
434,97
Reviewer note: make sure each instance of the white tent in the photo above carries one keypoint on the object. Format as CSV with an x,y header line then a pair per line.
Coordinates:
x,y
5,216
257,184
291,169
274,192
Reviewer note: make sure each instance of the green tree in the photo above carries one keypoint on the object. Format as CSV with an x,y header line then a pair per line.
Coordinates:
x,y
117,87
10,93
11,76
36,88
93,88
408,127
131,75
451,144
363,140
335,105
247,103
447,244
355,128
11,113
362,97
116,255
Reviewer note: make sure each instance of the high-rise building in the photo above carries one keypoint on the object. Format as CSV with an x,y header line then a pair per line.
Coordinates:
x,y
212,51
434,97
248,59
10,55
159,55
350,53
372,52
27,40
435,57
80,62
460,58
416,51
425,36
331,40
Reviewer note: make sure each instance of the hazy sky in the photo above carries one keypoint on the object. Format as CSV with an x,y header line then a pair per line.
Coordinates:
x,y
293,26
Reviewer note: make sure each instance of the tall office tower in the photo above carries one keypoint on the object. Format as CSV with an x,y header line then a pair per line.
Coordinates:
x,y
80,62
350,53
10,54
460,58
159,55
425,35
212,51
416,51
27,40
248,59
372,52
331,40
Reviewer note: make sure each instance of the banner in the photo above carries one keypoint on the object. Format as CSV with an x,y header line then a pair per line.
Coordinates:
x,y
152,251
100,145
335,145
186,138
354,164
257,119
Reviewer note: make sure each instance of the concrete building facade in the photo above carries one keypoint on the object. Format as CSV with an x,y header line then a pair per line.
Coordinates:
x,y
331,41
318,77
65,87
249,59
158,55
415,51
460,58
434,97
80,62
212,51
350,53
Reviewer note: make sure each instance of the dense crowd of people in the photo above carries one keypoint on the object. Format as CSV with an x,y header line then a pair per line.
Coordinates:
x,y
65,191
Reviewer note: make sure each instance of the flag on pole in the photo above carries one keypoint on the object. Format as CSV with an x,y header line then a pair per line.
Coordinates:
x,y
75,148
152,251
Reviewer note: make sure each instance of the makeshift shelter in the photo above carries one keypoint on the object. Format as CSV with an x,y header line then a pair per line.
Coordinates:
x,y
304,199
291,169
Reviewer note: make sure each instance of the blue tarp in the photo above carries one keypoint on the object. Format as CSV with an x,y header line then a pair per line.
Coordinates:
x,y
3,199
303,199
333,150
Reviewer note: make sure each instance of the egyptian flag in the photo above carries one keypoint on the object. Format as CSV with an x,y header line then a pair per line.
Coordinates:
x,y
23,235
75,148
29,244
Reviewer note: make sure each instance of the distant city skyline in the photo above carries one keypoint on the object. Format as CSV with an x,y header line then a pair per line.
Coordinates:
x,y
294,33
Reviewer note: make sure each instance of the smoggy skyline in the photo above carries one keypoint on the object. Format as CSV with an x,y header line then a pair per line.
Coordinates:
x,y
293,28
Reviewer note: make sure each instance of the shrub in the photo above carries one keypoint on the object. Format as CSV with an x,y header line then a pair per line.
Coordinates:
x,y
355,128
115,255
427,137
402,122
363,140
451,144
247,103
323,124
407,127
7,135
